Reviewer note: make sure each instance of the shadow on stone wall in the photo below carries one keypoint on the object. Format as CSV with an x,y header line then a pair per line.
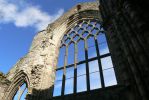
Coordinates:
x,y
45,94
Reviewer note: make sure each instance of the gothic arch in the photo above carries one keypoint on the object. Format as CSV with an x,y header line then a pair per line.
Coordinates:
x,y
19,79
76,18
73,20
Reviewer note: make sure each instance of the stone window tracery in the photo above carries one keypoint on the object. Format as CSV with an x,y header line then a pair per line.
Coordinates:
x,y
84,60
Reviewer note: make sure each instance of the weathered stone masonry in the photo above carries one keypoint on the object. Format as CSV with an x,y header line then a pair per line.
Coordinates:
x,y
126,25
37,68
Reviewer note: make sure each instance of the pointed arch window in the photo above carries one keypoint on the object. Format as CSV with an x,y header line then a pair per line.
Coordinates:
x,y
84,62
21,93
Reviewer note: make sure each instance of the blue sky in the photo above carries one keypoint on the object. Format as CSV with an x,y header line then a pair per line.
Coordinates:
x,y
20,20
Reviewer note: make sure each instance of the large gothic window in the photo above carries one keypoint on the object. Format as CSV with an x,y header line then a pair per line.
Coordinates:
x,y
84,60
21,93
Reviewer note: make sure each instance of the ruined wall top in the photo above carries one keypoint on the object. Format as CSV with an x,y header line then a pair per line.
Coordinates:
x,y
37,68
81,10
54,28
76,9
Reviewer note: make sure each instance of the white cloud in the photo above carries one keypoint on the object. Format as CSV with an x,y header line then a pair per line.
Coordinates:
x,y
27,16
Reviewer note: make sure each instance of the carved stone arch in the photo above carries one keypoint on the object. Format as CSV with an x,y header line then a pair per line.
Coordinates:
x,y
77,18
19,79
74,22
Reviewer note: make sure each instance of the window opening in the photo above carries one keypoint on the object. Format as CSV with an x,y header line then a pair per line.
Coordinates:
x,y
81,78
69,80
85,52
21,93
58,83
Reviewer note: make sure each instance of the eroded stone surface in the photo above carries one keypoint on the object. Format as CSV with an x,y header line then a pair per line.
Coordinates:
x,y
4,83
38,66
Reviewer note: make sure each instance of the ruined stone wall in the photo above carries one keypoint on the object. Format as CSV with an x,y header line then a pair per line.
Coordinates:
x,y
37,68
4,83
126,23
128,47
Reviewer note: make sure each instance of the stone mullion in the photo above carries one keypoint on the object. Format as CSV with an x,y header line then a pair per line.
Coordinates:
x,y
75,70
87,67
22,92
19,93
99,65
64,71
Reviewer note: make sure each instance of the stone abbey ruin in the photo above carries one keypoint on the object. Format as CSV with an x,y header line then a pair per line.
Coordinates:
x,y
95,51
